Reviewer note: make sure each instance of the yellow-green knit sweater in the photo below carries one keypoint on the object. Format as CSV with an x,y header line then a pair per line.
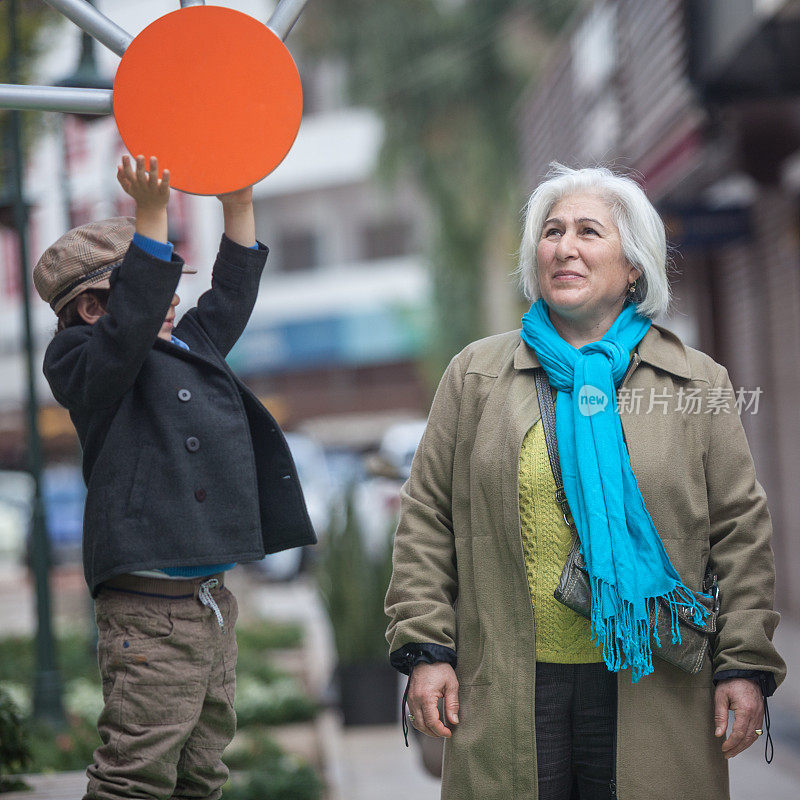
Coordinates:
x,y
562,636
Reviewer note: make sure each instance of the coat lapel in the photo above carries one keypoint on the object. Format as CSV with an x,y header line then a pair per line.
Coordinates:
x,y
195,352
192,354
521,413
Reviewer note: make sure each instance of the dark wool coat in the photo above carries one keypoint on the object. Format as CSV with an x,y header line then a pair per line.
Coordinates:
x,y
183,464
459,578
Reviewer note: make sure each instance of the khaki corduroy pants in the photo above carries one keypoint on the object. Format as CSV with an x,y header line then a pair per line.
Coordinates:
x,y
168,672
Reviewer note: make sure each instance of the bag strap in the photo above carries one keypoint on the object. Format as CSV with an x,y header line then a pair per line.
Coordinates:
x,y
548,411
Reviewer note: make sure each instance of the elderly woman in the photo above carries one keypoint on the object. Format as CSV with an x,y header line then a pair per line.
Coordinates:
x,y
539,702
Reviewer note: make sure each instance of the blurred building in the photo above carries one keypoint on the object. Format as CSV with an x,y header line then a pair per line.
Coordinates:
x,y
702,100
341,318
341,321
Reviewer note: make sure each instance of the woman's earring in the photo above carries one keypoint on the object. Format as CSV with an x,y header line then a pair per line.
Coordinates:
x,y
632,287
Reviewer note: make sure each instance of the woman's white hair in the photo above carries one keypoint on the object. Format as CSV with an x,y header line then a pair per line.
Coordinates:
x,y
641,230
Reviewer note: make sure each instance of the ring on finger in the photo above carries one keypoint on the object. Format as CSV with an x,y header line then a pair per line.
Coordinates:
x,y
410,717
759,732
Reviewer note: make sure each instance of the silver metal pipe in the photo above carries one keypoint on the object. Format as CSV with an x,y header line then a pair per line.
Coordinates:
x,y
186,3
97,25
284,17
56,98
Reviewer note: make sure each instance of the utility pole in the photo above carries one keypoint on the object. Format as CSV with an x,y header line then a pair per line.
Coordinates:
x,y
47,700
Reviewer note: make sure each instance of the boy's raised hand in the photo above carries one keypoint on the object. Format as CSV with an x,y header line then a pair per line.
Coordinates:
x,y
238,216
150,193
242,197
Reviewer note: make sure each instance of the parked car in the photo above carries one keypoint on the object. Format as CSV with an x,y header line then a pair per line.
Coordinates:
x,y
377,498
397,448
63,496
16,491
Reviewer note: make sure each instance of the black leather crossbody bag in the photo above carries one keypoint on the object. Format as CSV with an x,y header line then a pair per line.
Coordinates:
x,y
574,590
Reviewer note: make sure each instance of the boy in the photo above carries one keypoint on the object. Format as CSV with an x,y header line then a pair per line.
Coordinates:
x,y
186,472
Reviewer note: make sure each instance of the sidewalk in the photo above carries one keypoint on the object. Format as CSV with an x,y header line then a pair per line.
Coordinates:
x,y
58,786
751,776
376,764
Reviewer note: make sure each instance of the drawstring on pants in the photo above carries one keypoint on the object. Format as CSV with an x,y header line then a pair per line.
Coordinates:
x,y
204,596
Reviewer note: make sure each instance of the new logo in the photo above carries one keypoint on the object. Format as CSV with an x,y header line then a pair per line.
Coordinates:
x,y
591,400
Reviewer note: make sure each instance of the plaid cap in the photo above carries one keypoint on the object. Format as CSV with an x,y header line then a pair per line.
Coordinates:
x,y
83,259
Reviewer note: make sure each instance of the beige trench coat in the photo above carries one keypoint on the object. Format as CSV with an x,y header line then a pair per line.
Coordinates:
x,y
459,577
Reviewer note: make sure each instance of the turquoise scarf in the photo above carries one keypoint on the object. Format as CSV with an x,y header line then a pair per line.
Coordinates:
x,y
627,564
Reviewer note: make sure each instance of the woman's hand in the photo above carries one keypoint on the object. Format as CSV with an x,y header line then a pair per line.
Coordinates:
x,y
150,193
429,683
238,216
743,697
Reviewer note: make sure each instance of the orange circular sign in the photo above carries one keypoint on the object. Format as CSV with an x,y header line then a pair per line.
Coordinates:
x,y
213,93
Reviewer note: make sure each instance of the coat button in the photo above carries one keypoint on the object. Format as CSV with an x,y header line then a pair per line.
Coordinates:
x,y
200,495
192,444
184,395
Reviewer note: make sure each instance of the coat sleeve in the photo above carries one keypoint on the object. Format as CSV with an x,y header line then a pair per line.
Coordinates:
x,y
93,366
223,311
740,554
424,585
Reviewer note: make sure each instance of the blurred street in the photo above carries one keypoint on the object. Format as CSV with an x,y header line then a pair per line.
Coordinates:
x,y
364,762
393,225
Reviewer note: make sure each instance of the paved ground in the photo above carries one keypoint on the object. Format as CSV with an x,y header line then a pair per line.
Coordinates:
x,y
368,763
58,786
376,764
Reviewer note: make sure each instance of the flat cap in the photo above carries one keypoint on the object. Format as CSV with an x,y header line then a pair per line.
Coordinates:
x,y
82,259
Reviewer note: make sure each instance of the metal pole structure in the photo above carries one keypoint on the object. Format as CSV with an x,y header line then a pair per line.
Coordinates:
x,y
63,173
97,25
47,701
284,17
56,98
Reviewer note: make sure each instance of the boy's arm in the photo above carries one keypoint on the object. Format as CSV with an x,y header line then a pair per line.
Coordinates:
x,y
93,367
238,216
224,310
150,193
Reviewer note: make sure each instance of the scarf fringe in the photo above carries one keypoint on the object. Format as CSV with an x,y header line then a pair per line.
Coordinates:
x,y
625,635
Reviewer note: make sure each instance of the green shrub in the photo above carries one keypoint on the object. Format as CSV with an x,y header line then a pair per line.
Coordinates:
x,y
66,750
273,703
251,748
71,747
265,695
269,636
83,699
353,586
256,664
283,779
19,694
15,752
76,656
